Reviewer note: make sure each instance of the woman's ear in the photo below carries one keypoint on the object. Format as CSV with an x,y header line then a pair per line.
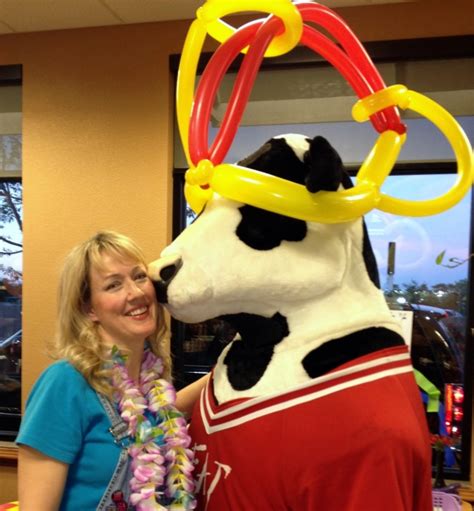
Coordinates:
x,y
88,310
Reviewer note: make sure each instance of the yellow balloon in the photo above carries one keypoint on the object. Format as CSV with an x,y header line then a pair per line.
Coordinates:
x,y
207,21
197,197
390,96
186,79
212,10
291,199
381,159
285,197
399,95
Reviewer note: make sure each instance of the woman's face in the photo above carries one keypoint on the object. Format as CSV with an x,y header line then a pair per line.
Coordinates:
x,y
122,302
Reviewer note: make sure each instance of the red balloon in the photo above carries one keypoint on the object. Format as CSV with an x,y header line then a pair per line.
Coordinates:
x,y
208,86
335,56
351,60
336,26
243,87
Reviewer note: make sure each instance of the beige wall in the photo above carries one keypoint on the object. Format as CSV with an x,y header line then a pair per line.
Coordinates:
x,y
96,151
8,480
97,139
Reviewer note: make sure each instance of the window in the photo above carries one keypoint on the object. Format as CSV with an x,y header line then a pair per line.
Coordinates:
x,y
10,251
424,263
416,277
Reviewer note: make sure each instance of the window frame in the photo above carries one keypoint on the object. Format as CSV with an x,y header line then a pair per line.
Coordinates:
x,y
10,75
437,48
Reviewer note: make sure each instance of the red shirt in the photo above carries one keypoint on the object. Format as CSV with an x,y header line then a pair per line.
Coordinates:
x,y
351,440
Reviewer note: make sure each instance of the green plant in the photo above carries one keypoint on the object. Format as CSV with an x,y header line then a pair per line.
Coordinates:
x,y
453,262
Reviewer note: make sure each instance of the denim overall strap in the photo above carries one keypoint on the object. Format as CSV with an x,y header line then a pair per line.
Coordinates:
x,y
118,428
116,495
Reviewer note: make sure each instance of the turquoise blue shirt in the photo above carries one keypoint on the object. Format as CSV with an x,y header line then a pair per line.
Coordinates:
x,y
65,420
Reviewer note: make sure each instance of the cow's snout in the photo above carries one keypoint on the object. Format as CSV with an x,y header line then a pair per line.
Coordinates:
x,y
162,272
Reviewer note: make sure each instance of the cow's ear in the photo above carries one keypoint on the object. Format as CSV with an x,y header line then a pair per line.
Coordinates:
x,y
260,154
325,170
277,158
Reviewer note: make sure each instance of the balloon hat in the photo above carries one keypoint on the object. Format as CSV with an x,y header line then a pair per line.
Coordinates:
x,y
276,35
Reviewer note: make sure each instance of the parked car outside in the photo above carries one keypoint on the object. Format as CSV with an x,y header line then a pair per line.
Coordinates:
x,y
434,350
10,386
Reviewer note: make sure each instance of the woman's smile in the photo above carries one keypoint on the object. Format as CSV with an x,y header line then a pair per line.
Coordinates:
x,y
123,301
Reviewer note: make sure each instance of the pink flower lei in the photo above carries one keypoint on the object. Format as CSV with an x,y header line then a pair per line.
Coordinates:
x,y
162,463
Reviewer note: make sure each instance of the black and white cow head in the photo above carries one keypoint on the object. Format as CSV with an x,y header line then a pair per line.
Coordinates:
x,y
299,293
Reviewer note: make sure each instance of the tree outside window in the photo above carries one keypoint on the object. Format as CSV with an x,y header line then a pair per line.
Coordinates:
x,y
11,278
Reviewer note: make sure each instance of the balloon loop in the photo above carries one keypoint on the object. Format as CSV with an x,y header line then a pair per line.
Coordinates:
x,y
390,96
201,174
212,10
276,35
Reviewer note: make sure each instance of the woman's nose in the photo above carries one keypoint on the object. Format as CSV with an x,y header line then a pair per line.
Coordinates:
x,y
135,289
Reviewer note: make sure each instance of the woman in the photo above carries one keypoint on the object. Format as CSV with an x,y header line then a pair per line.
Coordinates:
x,y
101,430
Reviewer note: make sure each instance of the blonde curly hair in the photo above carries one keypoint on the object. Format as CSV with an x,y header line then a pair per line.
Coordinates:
x,y
77,338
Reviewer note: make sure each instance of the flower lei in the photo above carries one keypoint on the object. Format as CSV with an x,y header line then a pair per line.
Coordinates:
x,y
161,461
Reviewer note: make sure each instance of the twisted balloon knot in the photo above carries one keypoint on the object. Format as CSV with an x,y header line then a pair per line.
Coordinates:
x,y
201,174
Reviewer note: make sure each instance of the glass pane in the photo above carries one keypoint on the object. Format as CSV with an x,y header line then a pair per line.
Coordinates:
x,y
423,265
10,307
11,272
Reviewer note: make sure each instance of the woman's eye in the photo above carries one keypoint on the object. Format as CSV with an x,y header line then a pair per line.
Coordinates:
x,y
141,276
111,286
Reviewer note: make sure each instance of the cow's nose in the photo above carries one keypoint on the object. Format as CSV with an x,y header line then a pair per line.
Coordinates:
x,y
162,272
168,272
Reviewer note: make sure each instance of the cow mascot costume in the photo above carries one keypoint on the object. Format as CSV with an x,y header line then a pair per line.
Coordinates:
x,y
313,406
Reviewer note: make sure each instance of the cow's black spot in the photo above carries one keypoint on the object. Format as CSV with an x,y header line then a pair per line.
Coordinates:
x,y
263,230
327,173
325,170
369,258
248,359
161,291
337,352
